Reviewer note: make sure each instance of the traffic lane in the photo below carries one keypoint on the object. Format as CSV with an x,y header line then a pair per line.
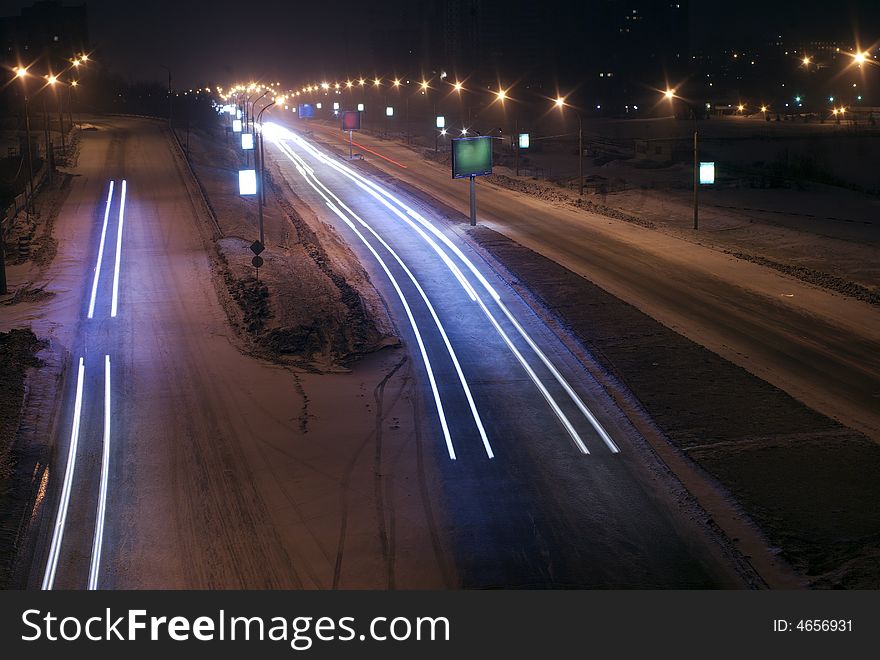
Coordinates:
x,y
218,484
432,272
526,517
825,359
831,368
188,513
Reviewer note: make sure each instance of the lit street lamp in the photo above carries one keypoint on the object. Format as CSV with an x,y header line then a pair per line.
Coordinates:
x,y
671,96
561,104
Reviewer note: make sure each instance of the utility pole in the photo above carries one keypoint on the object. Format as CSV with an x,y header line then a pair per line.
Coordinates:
x,y
580,154
261,199
696,181
61,126
49,158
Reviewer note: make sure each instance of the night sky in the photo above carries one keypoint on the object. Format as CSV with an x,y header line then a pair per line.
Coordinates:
x,y
223,40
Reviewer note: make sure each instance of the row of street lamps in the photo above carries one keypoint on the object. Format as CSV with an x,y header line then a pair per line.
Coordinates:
x,y
22,73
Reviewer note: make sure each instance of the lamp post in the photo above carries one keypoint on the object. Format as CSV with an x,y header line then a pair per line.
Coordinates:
x,y
261,175
561,104
21,73
671,96
54,82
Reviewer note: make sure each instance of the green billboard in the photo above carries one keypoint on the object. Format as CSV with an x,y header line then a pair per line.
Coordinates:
x,y
471,157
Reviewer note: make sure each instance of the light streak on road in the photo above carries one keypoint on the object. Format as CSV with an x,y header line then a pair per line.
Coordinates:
x,y
456,364
376,190
446,434
100,252
98,540
61,516
118,252
439,404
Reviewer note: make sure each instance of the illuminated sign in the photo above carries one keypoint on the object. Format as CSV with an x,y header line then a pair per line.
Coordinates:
x,y
360,107
247,182
523,140
238,113
707,173
318,106
471,156
351,120
306,111
247,140
441,121
389,111
336,105
236,125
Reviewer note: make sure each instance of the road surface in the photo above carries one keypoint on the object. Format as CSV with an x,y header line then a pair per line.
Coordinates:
x,y
181,462
818,346
541,475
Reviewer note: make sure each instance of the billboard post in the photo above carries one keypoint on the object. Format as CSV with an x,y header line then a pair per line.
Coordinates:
x,y
472,157
351,121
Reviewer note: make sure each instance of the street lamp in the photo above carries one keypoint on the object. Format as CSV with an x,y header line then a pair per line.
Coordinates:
x,y
53,81
561,104
671,96
21,73
260,157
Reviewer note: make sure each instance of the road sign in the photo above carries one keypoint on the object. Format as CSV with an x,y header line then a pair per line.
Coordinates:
x,y
441,121
523,140
257,262
707,173
247,182
236,125
247,141
257,247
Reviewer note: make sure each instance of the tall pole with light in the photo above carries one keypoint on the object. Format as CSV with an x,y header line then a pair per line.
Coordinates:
x,y
53,83
671,96
261,199
561,104
21,73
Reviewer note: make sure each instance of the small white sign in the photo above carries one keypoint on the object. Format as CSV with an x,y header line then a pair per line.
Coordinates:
x,y
236,125
389,111
360,107
247,141
247,182
707,173
441,121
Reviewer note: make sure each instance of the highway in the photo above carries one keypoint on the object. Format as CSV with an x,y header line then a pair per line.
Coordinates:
x,y
179,460
816,345
541,476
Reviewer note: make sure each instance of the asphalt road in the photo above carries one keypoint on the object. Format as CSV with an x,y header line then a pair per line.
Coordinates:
x,y
820,347
543,480
178,461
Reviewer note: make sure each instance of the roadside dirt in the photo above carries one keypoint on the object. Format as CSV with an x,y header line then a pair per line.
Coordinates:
x,y
310,303
18,355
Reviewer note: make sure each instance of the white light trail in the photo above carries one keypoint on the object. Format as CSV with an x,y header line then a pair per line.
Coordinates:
x,y
460,373
100,253
423,351
118,252
370,186
98,540
61,516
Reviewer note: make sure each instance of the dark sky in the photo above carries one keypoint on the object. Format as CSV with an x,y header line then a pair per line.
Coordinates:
x,y
223,40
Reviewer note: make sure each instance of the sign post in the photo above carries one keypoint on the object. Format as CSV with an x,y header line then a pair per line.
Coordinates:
x,y
351,121
472,157
441,124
